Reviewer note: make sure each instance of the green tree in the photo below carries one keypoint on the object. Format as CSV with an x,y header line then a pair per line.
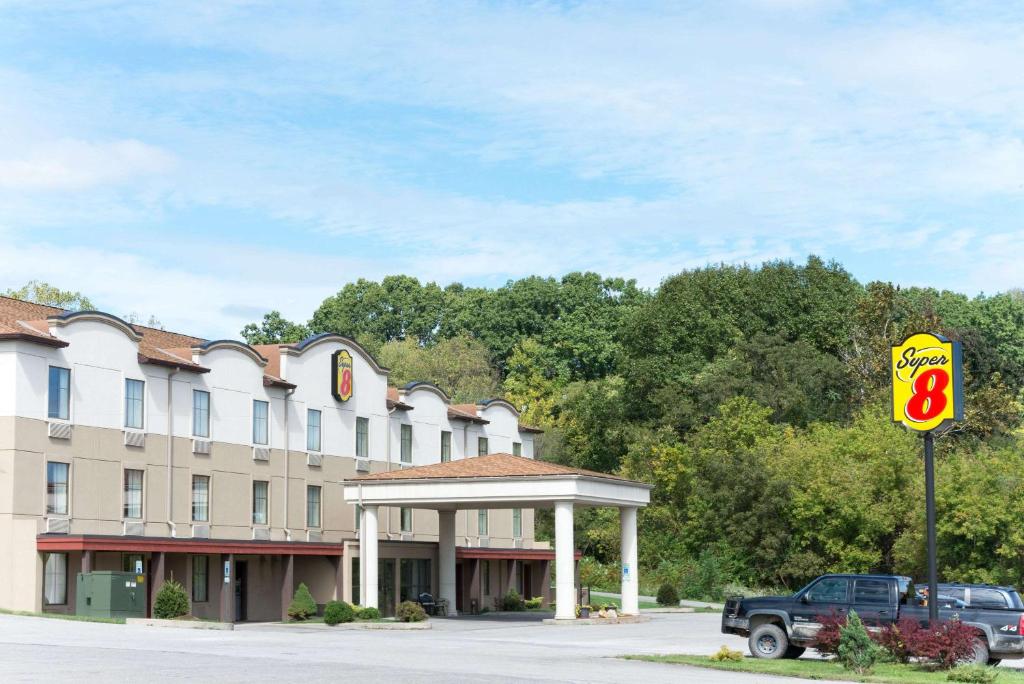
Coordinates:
x,y
171,601
274,329
460,366
396,308
41,292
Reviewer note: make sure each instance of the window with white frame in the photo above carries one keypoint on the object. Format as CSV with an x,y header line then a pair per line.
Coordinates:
x,y
200,579
260,501
260,421
406,519
359,517
134,404
517,523
312,506
57,488
59,397
55,579
517,448
200,413
363,438
481,446
406,454
312,430
133,494
482,522
446,446
201,498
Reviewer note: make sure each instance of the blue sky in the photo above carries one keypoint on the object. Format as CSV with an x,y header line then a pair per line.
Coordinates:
x,y
208,161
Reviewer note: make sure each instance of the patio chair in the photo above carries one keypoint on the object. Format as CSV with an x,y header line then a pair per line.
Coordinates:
x,y
442,607
427,601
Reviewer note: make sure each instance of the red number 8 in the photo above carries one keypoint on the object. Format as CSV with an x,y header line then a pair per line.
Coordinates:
x,y
346,382
929,398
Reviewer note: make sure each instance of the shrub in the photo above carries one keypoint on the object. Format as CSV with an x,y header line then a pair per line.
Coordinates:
x,y
368,614
302,606
726,653
894,639
535,602
513,601
979,674
171,601
826,641
410,611
856,650
946,645
338,611
667,595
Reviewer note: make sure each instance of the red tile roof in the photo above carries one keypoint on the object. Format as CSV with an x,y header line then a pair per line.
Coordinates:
x,y
491,465
465,412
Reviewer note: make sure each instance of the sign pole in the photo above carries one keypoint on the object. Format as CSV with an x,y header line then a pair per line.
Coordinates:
x,y
929,493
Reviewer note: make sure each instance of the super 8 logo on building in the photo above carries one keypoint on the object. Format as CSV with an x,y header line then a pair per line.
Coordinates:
x,y
927,382
341,375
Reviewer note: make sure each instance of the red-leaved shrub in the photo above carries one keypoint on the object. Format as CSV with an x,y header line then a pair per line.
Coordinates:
x,y
947,645
895,638
826,641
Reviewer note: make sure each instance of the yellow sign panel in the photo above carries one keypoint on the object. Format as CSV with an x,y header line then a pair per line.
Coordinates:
x,y
341,375
927,382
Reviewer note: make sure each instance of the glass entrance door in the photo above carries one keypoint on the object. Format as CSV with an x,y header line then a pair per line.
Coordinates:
x,y
386,586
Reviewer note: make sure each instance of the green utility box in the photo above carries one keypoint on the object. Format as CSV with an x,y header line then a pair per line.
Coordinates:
x,y
111,594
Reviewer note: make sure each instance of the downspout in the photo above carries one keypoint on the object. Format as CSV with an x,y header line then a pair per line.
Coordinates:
x,y
170,452
287,531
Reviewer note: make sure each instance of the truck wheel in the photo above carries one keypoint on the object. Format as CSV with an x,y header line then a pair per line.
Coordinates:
x,y
980,652
992,662
768,642
794,652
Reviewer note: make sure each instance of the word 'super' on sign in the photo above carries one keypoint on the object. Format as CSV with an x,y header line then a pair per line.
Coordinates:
x,y
927,383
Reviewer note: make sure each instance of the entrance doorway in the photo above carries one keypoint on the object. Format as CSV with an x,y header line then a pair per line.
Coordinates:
x,y
241,590
527,580
458,587
386,586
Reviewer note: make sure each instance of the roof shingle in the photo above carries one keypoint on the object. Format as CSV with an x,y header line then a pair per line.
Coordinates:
x,y
491,465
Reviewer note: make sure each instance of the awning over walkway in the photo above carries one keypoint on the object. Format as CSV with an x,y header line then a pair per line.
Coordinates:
x,y
500,481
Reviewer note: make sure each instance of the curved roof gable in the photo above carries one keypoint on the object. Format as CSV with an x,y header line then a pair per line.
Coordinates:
x,y
497,401
420,385
300,348
113,321
233,345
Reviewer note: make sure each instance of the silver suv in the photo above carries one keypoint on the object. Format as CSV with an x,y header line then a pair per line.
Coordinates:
x,y
983,595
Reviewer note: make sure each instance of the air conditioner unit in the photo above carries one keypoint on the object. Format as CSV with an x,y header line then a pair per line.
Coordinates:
x,y
260,454
406,536
314,458
484,542
362,465
314,536
201,531
261,533
59,430
134,439
201,446
58,526
134,528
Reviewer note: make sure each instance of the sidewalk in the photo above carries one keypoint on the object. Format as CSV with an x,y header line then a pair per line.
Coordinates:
x,y
651,599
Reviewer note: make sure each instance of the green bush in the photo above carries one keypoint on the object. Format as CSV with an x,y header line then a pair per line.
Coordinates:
x,y
368,614
171,601
856,650
410,611
338,611
599,576
512,601
726,654
534,603
667,595
302,606
977,674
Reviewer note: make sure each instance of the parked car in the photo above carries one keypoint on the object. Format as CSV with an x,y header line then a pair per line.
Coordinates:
x,y
983,595
785,626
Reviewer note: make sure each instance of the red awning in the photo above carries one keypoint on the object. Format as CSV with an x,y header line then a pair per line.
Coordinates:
x,y
89,542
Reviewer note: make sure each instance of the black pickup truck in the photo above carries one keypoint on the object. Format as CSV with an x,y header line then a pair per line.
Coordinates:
x,y
785,626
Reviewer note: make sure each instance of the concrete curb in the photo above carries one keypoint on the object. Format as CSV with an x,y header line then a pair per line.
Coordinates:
x,y
394,626
180,624
621,620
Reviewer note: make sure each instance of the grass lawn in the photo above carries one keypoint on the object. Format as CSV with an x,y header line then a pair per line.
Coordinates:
x,y
598,601
823,669
60,616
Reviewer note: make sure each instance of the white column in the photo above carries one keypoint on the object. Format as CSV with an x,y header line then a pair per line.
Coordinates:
x,y
630,580
368,557
446,557
362,565
565,587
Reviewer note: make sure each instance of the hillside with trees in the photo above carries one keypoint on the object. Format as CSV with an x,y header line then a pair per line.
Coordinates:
x,y
754,398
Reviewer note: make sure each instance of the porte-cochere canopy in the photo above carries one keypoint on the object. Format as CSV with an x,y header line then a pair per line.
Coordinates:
x,y
500,481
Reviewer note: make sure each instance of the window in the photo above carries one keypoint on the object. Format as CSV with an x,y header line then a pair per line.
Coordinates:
x,y
481,523
415,575
359,516
406,444
485,570
133,494
201,498
259,502
312,506
406,519
830,590
517,523
57,488
200,413
133,562
55,579
260,410
60,393
200,578
446,446
134,391
481,446
363,438
312,430
987,598
871,591
517,448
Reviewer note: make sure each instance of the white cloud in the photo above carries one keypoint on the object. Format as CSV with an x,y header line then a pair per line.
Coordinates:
x,y
77,164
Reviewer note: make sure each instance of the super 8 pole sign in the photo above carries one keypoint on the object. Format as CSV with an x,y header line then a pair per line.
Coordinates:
x,y
927,383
